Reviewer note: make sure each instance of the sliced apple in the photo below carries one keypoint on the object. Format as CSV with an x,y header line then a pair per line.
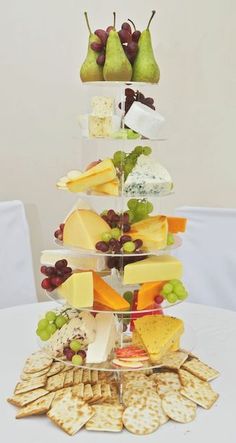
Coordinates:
x,y
124,364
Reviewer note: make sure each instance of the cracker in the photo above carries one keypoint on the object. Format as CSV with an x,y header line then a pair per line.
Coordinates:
x,y
188,379
86,378
174,360
23,399
78,376
78,390
167,382
179,408
143,383
106,418
27,377
61,394
69,378
37,362
202,395
55,368
140,421
70,413
37,407
55,382
94,377
200,369
30,385
88,392
97,393
106,391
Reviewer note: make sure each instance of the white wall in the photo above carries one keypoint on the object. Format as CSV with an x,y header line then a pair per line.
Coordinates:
x,y
42,44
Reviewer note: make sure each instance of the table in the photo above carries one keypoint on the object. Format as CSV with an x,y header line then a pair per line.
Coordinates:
x,y
215,335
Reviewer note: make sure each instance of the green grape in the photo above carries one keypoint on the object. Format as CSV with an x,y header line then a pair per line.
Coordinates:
x,y
149,207
50,316
147,150
138,150
75,345
60,321
128,296
141,211
77,360
131,216
170,239
167,289
42,324
175,282
132,134
38,332
171,298
119,158
128,167
115,233
179,290
132,203
182,295
51,328
45,335
129,247
106,236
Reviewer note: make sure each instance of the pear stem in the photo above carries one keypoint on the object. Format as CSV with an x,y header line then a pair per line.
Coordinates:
x,y
153,13
87,21
114,20
132,23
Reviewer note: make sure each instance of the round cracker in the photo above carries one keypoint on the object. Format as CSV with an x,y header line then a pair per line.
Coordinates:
x,y
37,362
29,376
140,421
179,408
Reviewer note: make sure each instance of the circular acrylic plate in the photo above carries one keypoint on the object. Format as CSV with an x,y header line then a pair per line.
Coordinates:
x,y
128,140
187,341
138,196
93,252
116,84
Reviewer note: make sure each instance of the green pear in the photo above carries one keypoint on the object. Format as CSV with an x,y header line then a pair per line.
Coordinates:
x,y
145,67
117,66
90,71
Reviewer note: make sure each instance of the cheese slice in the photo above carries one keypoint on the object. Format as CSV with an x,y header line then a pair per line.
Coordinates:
x,y
176,224
101,173
152,231
147,294
105,338
158,334
109,188
106,296
83,229
162,267
78,289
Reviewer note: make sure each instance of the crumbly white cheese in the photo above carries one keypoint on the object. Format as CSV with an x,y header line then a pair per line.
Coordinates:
x,y
102,106
148,178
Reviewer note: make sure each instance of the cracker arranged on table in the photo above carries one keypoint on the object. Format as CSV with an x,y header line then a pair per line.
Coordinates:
x,y
202,395
55,382
30,385
37,407
140,420
179,408
200,369
27,397
38,361
174,360
106,418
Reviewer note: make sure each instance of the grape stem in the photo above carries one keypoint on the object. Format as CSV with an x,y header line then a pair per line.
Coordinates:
x,y
114,19
153,13
87,21
65,311
132,23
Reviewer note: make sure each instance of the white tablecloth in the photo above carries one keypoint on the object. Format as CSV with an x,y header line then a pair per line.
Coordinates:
x,y
216,344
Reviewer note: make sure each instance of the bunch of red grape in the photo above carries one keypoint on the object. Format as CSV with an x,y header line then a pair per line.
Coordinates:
x,y
132,96
128,39
56,274
59,232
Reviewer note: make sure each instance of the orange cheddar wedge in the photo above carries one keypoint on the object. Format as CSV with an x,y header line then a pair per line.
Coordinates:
x,y
176,224
148,292
106,296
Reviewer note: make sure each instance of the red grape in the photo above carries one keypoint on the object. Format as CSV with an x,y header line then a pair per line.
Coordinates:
x,y
158,299
110,214
102,35
65,350
125,238
126,227
129,92
97,47
136,36
112,262
62,225
58,234
43,269
61,263
56,281
110,28
46,284
125,36
50,271
69,354
114,245
101,59
132,48
82,353
126,26
102,246
67,270
138,243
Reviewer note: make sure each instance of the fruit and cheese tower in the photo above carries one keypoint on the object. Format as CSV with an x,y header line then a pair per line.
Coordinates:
x,y
113,273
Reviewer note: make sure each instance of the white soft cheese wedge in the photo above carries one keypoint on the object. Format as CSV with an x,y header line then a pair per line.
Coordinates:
x,y
105,338
84,263
144,120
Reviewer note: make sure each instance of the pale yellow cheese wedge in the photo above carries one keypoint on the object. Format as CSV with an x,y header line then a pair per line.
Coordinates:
x,y
78,289
162,267
109,188
103,172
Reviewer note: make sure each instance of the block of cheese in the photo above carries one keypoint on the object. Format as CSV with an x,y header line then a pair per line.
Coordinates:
x,y
95,263
101,173
176,224
144,120
106,296
83,229
152,231
158,334
147,294
162,267
102,106
109,188
137,341
100,126
78,289
105,339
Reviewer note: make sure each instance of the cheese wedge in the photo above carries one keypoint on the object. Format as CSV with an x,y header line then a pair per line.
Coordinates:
x,y
162,267
106,296
78,289
147,294
50,256
137,341
101,173
176,224
83,229
109,188
158,334
105,338
152,231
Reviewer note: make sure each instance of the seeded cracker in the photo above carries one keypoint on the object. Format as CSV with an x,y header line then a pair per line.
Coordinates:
x,y
30,385
106,418
37,407
37,362
200,369
23,399
179,408
140,421
202,395
55,368
55,382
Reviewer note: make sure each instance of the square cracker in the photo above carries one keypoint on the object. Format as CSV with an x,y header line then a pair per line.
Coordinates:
x,y
55,368
21,400
37,407
106,418
27,377
70,413
55,382
69,378
200,369
88,392
188,379
78,376
202,395
30,385
86,378
78,390
174,360
97,393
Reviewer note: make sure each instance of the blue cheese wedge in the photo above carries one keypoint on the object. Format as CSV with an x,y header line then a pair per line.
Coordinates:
x,y
148,177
